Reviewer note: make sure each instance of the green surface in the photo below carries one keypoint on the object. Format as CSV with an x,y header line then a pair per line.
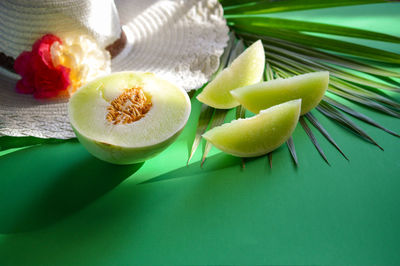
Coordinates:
x,y
67,208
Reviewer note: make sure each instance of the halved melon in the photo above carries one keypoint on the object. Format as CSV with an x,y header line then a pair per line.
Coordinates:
x,y
245,70
259,134
128,117
310,88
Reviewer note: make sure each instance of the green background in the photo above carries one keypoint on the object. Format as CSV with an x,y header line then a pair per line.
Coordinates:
x,y
59,205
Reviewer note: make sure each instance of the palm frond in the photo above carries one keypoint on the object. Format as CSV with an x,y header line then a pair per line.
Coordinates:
x,y
227,54
324,132
292,149
202,124
236,51
269,74
217,120
296,47
339,46
304,26
240,112
319,55
358,115
332,113
313,139
364,101
283,54
270,159
268,6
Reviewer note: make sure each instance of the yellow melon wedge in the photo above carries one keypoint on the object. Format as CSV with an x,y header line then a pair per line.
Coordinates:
x,y
257,135
245,70
310,88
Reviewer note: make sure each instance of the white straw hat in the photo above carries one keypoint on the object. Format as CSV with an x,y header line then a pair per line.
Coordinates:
x,y
180,41
25,21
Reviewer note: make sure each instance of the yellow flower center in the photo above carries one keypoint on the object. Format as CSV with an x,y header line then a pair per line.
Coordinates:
x,y
83,57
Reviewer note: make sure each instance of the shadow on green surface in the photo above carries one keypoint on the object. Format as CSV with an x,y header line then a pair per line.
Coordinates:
x,y
213,163
127,220
38,194
8,142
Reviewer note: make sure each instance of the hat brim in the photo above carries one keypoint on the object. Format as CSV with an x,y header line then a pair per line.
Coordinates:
x,y
181,41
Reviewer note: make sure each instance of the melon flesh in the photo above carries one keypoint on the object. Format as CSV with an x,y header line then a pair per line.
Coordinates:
x,y
245,70
132,142
257,135
310,88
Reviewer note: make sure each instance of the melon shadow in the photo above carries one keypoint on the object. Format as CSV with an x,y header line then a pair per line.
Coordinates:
x,y
52,186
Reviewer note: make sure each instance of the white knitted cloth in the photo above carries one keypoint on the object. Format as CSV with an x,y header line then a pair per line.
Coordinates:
x,y
180,41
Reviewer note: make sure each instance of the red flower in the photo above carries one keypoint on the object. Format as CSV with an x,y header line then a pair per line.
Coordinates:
x,y
39,75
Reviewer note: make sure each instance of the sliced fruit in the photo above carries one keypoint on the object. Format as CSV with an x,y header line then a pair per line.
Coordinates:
x,y
310,88
245,70
259,134
128,117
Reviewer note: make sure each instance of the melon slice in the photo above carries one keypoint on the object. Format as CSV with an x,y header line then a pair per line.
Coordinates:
x,y
128,117
310,88
245,70
257,135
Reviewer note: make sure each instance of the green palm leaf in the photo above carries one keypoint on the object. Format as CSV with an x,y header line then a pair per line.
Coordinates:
x,y
335,71
322,43
266,6
358,115
204,120
217,120
313,139
324,132
332,113
318,55
298,25
296,47
292,149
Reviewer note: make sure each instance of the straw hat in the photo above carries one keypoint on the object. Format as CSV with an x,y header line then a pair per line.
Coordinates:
x,y
179,40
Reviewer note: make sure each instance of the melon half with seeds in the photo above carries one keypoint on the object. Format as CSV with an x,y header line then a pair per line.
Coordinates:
x,y
257,135
128,117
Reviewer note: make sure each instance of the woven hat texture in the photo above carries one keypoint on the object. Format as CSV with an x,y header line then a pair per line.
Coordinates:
x,y
180,41
22,22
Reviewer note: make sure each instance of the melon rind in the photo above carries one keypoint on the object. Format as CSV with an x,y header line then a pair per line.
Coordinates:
x,y
245,70
123,155
128,143
257,135
310,88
